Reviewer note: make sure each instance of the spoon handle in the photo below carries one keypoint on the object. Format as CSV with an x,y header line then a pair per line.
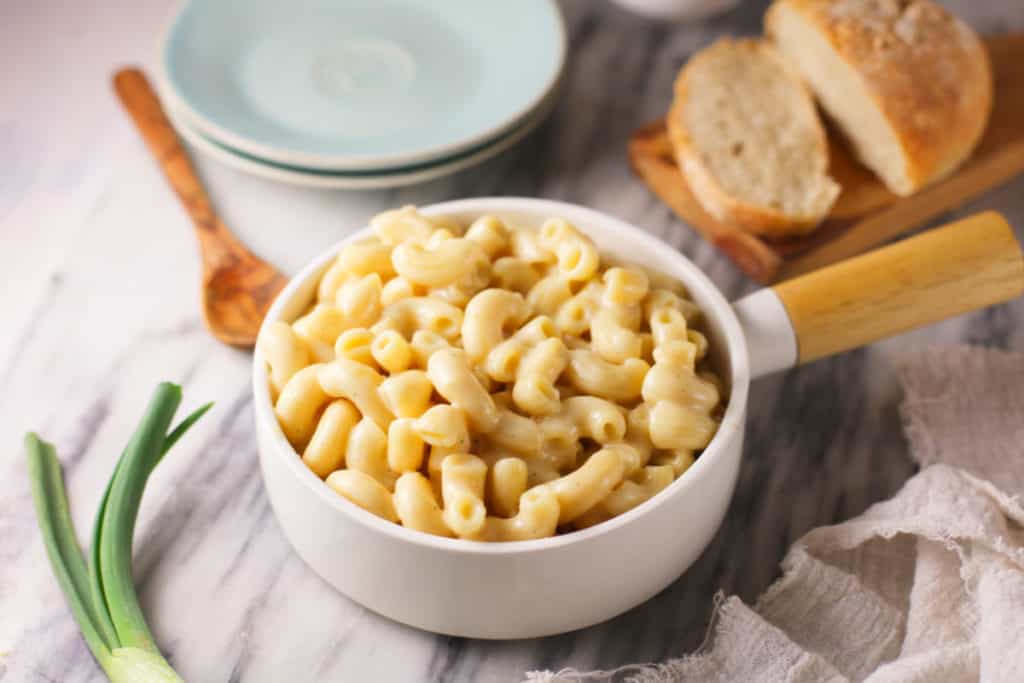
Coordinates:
x,y
216,243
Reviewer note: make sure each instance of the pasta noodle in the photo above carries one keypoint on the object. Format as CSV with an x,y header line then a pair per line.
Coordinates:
x,y
492,382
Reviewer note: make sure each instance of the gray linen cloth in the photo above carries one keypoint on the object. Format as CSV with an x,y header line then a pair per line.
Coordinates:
x,y
925,587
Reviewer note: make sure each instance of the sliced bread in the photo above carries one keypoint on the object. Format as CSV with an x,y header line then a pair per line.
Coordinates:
x,y
907,83
749,141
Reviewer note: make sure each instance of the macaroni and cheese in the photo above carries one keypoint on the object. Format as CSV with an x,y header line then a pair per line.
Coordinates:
x,y
492,382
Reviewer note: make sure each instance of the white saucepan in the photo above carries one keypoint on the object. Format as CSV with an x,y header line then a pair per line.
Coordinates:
x,y
537,588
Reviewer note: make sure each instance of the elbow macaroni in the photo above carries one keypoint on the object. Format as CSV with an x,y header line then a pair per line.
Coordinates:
x,y
405,447
418,313
325,451
534,391
391,351
406,394
299,403
417,507
367,452
453,378
284,352
491,234
492,383
364,491
506,482
595,418
577,257
359,301
444,263
516,433
640,487
444,426
356,344
319,329
345,378
400,225
487,316
585,487
537,518
593,375
611,340
514,274
462,489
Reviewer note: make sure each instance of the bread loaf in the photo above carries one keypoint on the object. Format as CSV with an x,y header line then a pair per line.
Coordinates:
x,y
908,84
749,141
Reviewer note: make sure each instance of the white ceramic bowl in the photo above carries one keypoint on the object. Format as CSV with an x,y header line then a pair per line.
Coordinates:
x,y
537,588
529,588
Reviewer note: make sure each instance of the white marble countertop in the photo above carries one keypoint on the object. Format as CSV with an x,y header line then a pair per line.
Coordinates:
x,y
100,302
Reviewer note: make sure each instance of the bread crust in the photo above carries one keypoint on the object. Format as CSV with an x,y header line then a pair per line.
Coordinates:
x,y
926,70
754,218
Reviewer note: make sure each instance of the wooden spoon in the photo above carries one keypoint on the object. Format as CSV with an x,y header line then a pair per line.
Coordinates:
x,y
238,286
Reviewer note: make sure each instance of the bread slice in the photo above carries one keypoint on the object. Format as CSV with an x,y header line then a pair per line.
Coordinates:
x,y
749,141
907,83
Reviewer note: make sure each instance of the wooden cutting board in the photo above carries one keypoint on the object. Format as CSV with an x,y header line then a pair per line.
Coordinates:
x,y
865,214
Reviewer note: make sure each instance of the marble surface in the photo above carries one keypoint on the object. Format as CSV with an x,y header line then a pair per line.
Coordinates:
x,y
100,297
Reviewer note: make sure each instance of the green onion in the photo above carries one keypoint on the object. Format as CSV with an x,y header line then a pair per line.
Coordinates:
x,y
102,596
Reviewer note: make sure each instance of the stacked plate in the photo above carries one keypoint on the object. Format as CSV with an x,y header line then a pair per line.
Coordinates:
x,y
359,93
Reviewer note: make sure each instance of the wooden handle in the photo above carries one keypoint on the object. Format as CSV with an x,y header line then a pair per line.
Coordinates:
x,y
970,264
219,247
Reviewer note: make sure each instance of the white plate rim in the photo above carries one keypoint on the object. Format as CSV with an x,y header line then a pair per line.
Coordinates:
x,y
357,163
296,177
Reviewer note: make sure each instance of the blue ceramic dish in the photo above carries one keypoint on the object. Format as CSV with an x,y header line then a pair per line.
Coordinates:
x,y
358,85
349,180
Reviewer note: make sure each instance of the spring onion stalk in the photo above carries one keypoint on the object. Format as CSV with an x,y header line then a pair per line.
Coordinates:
x,y
101,595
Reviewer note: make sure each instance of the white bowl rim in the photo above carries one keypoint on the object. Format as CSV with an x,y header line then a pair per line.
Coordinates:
x,y
732,420
349,162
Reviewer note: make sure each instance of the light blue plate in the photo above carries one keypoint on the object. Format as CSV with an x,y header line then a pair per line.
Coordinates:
x,y
360,85
349,180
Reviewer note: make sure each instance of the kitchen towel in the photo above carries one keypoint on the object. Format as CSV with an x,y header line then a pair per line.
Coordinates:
x,y
925,587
